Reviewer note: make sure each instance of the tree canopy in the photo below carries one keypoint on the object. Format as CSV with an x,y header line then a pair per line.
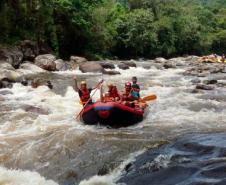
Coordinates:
x,y
122,28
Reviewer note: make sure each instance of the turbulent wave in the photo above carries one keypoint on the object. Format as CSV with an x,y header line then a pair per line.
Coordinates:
x,y
18,177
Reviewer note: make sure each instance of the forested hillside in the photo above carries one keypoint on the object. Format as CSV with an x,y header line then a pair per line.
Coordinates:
x,y
123,28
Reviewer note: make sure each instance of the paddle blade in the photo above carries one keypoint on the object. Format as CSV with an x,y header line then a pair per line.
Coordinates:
x,y
149,98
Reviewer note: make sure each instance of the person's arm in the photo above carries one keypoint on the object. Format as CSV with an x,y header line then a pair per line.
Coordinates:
x,y
76,85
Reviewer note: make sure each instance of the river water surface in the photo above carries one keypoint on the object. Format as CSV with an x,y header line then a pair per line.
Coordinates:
x,y
52,147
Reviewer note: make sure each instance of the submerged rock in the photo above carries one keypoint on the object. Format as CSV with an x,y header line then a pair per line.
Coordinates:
x,y
36,110
204,87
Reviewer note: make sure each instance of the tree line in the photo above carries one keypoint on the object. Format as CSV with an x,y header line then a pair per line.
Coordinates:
x,y
117,28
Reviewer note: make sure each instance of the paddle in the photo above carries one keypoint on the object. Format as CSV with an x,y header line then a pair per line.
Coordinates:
x,y
149,98
96,88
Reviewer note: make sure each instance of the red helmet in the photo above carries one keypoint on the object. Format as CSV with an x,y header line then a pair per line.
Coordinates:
x,y
128,84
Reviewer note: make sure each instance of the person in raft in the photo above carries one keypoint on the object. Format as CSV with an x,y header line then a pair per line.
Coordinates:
x,y
84,92
128,97
135,87
113,92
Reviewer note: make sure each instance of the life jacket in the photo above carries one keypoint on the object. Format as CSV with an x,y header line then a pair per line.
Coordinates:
x,y
85,96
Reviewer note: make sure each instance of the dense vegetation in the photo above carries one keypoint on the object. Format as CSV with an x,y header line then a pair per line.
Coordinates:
x,y
123,28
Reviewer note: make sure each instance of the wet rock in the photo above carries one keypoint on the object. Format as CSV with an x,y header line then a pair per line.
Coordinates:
x,y
61,65
27,68
204,87
195,80
29,49
130,63
93,67
123,66
160,60
107,65
210,81
5,65
5,84
12,56
78,60
202,74
35,110
10,75
169,65
46,62
40,82
112,72
5,92
192,58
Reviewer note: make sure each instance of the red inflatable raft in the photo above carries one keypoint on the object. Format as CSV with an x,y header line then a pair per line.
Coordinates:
x,y
112,114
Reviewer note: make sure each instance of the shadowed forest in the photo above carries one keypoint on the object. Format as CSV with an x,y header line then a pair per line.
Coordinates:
x,y
117,28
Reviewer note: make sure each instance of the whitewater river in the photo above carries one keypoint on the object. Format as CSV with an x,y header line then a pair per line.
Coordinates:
x,y
54,148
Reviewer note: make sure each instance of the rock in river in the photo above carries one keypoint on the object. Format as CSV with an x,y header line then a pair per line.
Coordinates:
x,y
93,67
46,62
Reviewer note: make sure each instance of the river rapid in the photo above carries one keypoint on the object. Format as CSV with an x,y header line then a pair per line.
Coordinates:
x,y
51,147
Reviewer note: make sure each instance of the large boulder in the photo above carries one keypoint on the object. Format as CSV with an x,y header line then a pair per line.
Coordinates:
x,y
7,77
130,63
123,66
5,65
78,60
107,65
46,62
12,56
27,68
93,67
61,65
160,60
30,49
10,75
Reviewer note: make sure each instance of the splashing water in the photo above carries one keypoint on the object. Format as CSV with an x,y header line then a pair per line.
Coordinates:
x,y
39,132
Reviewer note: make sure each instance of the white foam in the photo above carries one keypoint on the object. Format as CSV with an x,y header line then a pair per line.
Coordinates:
x,y
19,177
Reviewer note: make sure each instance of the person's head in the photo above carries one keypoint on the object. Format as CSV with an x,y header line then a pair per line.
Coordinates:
x,y
134,79
128,86
83,85
110,86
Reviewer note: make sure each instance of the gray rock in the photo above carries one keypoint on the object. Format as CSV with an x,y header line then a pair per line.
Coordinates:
x,y
130,63
10,75
61,65
46,62
123,66
27,68
210,81
35,110
107,65
5,92
195,80
160,60
204,87
77,59
5,65
12,56
30,49
93,67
